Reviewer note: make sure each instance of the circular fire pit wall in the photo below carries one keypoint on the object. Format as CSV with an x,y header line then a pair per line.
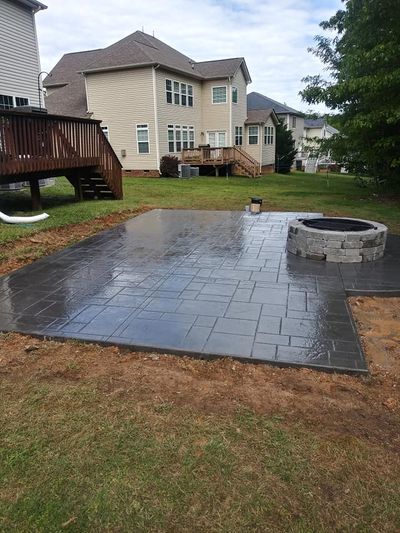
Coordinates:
x,y
340,240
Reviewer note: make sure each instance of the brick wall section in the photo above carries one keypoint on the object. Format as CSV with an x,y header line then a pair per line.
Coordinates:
x,y
127,173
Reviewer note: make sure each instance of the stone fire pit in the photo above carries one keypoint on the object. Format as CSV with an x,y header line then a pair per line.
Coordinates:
x,y
340,240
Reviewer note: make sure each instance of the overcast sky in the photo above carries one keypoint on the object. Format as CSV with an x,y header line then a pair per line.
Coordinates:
x,y
272,35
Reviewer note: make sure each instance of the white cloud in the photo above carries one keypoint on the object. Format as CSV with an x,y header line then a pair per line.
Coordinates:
x,y
272,36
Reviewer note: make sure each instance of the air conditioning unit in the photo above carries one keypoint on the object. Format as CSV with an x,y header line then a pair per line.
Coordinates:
x,y
11,186
185,171
194,171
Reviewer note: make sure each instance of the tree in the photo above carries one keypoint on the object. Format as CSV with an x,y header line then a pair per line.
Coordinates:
x,y
363,60
285,149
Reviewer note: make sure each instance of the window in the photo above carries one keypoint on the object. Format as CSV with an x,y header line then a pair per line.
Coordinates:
x,y
269,135
104,129
253,134
142,135
293,122
234,95
190,95
180,137
6,102
21,101
238,135
168,91
219,95
178,93
177,96
183,94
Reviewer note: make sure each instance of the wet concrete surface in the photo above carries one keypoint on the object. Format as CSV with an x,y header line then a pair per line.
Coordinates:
x,y
205,283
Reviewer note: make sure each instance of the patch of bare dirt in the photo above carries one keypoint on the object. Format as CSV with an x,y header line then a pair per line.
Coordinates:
x,y
365,407
25,250
378,321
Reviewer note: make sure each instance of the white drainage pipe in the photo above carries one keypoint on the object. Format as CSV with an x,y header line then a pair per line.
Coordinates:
x,y
22,220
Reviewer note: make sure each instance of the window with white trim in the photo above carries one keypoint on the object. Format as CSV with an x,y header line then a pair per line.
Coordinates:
x,y
168,91
293,122
179,93
253,134
183,94
219,95
180,137
19,101
106,132
269,135
190,95
238,135
6,101
142,136
234,95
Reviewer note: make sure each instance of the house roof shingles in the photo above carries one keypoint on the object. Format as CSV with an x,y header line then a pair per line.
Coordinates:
x,y
134,50
259,116
259,101
70,98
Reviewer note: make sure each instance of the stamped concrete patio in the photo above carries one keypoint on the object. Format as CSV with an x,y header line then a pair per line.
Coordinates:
x,y
206,283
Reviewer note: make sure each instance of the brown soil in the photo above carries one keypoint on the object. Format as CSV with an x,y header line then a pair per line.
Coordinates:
x,y
367,407
23,251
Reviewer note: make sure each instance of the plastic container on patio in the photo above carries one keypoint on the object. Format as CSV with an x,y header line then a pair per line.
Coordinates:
x,y
255,205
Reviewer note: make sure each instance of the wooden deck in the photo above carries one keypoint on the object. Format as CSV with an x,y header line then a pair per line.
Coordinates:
x,y
35,146
232,155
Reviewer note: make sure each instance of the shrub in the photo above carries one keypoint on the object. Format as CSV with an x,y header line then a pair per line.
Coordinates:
x,y
169,166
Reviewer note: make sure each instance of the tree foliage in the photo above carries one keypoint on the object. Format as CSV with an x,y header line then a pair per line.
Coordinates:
x,y
363,62
285,148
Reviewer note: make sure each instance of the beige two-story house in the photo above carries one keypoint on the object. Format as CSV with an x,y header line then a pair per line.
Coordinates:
x,y
153,100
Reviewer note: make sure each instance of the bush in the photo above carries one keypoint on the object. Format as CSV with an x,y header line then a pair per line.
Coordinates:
x,y
169,166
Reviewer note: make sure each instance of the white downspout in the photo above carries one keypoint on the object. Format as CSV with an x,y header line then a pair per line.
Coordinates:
x,y
156,115
230,111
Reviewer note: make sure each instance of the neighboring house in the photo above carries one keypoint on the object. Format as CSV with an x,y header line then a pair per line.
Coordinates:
x,y
318,129
292,118
19,53
153,101
315,130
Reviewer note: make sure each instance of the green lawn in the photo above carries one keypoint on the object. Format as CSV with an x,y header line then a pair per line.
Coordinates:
x,y
336,195
96,460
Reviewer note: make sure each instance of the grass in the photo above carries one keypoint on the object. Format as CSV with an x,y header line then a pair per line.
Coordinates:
x,y
77,458
335,195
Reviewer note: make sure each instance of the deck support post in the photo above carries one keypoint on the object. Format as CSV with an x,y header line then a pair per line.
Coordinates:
x,y
35,195
78,189
217,171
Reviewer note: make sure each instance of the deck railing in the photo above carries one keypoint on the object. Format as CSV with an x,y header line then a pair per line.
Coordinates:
x,y
32,143
205,155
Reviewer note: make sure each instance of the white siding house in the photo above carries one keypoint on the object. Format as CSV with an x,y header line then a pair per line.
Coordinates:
x,y
19,53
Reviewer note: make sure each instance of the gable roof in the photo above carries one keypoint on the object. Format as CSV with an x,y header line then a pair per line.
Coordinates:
x,y
140,49
222,68
314,122
259,101
260,116
319,123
